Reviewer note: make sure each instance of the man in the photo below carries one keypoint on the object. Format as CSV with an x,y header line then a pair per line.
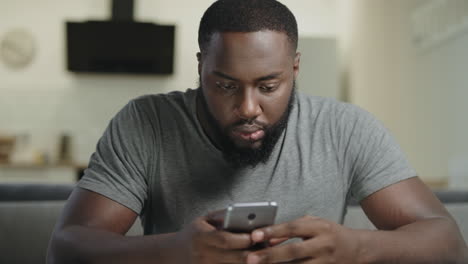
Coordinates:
x,y
246,135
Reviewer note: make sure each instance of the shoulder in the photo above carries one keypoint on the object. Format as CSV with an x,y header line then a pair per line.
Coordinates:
x,y
156,104
329,109
174,97
334,117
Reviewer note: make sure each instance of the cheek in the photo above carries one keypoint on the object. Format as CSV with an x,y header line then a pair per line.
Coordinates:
x,y
274,106
219,107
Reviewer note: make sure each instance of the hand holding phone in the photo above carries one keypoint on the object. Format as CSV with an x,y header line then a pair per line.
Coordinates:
x,y
246,217
201,242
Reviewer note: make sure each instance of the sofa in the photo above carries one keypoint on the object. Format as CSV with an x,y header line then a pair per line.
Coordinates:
x,y
28,213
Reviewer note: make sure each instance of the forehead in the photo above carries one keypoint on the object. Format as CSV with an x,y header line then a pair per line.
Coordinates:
x,y
249,52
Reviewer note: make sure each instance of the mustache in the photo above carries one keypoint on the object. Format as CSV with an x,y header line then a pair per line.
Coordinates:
x,y
249,124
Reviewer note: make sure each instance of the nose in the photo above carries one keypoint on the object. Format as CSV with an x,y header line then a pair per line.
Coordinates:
x,y
248,105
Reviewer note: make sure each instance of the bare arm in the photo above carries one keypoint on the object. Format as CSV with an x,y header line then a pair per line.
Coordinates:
x,y
416,228
92,228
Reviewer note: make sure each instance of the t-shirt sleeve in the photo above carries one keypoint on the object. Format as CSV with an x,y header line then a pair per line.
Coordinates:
x,y
371,155
119,167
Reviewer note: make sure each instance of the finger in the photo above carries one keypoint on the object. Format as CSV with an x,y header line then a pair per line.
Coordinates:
x,y
232,256
303,261
279,254
216,218
276,241
227,240
300,251
200,224
303,227
311,261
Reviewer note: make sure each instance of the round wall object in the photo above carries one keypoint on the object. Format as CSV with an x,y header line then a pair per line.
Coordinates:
x,y
17,48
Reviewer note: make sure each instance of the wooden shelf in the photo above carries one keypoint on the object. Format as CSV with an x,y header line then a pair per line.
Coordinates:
x,y
32,166
436,183
40,173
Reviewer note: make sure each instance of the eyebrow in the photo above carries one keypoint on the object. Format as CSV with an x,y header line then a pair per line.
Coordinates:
x,y
263,78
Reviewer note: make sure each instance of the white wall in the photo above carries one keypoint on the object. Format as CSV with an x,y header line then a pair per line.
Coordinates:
x,y
419,94
319,67
45,100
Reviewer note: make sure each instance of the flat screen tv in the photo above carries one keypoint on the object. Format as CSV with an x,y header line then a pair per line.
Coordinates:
x,y
120,47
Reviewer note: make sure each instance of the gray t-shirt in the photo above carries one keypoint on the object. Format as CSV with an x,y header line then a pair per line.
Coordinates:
x,y
155,159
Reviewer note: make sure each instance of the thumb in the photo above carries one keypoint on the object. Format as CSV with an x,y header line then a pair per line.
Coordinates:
x,y
216,218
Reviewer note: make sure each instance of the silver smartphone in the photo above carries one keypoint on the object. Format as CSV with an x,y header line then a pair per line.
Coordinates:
x,y
245,217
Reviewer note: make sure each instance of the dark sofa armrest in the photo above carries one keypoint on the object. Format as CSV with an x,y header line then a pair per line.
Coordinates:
x,y
34,192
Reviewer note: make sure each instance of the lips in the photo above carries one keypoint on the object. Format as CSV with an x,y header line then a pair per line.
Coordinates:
x,y
249,133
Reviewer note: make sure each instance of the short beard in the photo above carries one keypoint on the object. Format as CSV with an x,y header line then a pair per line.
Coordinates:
x,y
240,157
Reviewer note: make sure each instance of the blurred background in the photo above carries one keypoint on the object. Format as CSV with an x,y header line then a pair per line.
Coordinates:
x,y
404,61
67,67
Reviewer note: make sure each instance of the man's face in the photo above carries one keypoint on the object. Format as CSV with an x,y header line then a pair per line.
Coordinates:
x,y
247,82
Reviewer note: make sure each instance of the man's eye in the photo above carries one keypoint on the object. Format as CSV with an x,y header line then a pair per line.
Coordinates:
x,y
226,86
268,88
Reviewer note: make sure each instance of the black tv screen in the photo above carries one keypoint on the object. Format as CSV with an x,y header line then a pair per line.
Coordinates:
x,y
120,47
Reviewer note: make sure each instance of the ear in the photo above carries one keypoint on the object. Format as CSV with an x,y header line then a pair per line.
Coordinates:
x,y
297,60
199,59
